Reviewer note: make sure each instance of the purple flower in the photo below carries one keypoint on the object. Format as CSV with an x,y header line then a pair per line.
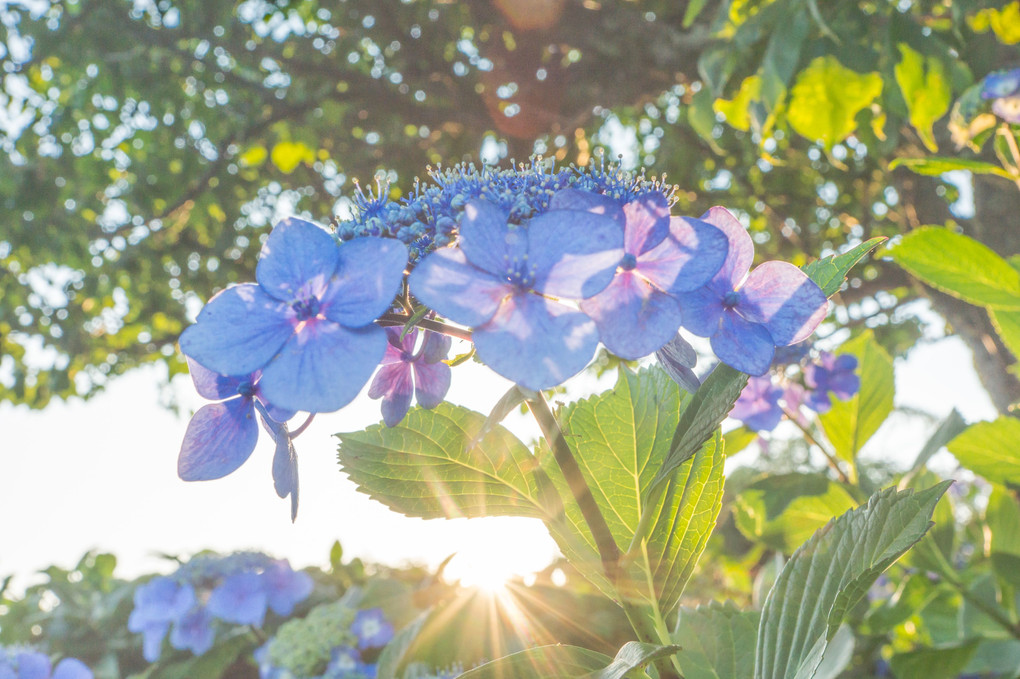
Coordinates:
x,y
637,313
1000,84
193,632
404,371
35,665
500,279
371,628
158,603
285,587
758,405
747,315
308,322
831,374
241,598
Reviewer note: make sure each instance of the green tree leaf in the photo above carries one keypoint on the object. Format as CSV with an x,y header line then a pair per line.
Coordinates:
x,y
830,272
632,656
959,266
549,662
830,573
991,449
717,641
932,663
426,466
1007,324
926,90
935,166
826,99
737,110
849,424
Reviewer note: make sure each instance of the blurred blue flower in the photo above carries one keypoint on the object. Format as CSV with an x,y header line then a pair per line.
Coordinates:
x,y
637,312
833,374
758,405
285,587
193,631
241,599
1003,88
500,280
20,663
345,663
371,628
308,322
405,371
747,315
158,603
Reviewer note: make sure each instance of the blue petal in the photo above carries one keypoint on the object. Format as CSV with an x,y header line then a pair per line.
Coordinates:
x,y
431,382
367,279
436,347
240,599
576,199
741,249
686,260
445,282
285,587
153,634
677,357
220,437
33,665
297,256
743,345
488,241
393,384
648,223
573,254
72,668
323,367
193,632
536,342
285,469
634,319
702,311
212,385
783,299
238,331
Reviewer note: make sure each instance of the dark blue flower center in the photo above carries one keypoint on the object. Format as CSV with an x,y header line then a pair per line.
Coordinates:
x,y
306,308
628,262
731,299
246,389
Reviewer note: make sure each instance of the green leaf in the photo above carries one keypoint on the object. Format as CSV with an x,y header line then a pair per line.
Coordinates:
x,y
694,8
830,272
826,99
737,110
849,424
717,641
935,166
288,155
425,466
991,449
926,90
1003,518
959,266
1007,324
632,656
394,654
832,572
784,510
932,663
549,662
947,430
738,439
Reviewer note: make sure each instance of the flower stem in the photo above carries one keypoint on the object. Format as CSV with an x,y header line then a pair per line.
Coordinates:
x,y
394,319
608,550
830,457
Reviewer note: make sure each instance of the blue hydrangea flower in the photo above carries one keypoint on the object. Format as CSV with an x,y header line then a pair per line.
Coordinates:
x,y
747,315
240,599
833,374
1003,88
345,663
194,631
158,603
758,405
285,587
405,371
637,313
26,664
308,322
499,280
372,628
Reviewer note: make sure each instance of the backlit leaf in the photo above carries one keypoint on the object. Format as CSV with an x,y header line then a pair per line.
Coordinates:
x,y
827,97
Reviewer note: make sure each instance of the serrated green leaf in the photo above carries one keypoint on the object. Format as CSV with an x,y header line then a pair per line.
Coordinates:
x,y
1003,519
932,663
959,266
426,466
830,272
825,100
849,424
549,662
991,449
926,90
717,641
1007,324
934,166
830,573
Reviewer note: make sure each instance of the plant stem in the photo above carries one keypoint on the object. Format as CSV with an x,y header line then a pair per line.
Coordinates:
x,y
395,319
830,457
608,550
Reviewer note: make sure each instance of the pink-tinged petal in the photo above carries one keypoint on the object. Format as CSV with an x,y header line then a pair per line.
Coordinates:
x,y
741,247
387,377
686,260
367,279
71,668
238,331
702,311
212,385
488,241
395,347
297,256
446,283
536,342
573,254
323,367
743,345
783,299
634,319
647,223
576,199
436,347
220,437
431,382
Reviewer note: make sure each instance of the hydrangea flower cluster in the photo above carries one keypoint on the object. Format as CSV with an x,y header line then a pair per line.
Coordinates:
x,y
1003,89
211,593
25,663
334,641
